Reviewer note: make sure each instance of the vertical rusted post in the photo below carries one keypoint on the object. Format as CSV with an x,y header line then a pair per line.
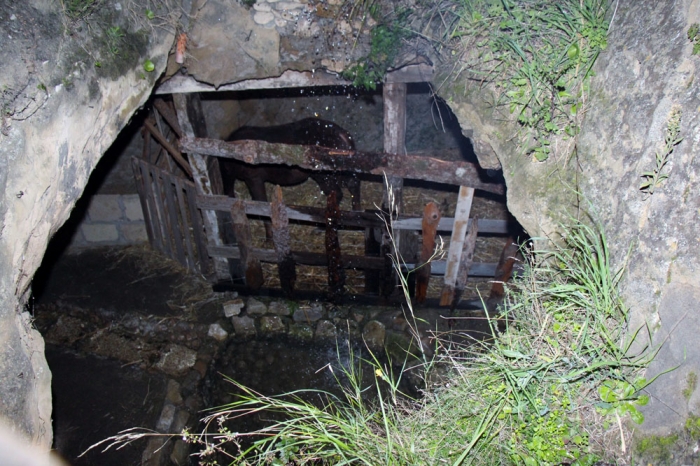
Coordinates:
x,y
504,271
459,232
431,218
241,227
336,273
282,241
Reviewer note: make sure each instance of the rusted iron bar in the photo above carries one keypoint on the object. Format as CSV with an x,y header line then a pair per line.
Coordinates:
x,y
172,150
504,270
282,241
241,228
336,273
324,159
431,218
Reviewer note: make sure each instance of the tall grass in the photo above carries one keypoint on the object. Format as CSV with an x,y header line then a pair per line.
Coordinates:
x,y
551,386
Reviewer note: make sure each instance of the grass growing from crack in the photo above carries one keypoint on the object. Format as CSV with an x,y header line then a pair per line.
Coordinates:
x,y
672,137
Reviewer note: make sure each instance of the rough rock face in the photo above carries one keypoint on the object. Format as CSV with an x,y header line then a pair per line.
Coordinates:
x,y
60,113
647,70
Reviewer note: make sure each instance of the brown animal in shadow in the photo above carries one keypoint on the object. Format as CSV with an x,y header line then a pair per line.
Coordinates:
x,y
310,132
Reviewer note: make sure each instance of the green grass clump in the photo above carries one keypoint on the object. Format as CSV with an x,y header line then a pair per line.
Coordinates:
x,y
543,391
537,54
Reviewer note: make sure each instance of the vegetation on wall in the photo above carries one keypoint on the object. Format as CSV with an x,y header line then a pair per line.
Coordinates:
x,y
552,388
672,137
536,56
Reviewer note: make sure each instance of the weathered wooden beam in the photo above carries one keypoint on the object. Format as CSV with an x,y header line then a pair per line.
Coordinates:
x,y
207,178
282,241
510,256
465,263
352,219
459,232
421,72
172,150
485,269
431,218
251,264
168,115
324,159
288,79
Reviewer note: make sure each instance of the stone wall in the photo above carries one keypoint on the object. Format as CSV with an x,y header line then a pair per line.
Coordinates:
x,y
61,114
647,70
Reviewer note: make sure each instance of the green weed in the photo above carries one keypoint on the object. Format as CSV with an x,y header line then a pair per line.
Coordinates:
x,y
672,137
537,54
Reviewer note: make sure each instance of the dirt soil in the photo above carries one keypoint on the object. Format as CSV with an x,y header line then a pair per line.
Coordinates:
x,y
100,387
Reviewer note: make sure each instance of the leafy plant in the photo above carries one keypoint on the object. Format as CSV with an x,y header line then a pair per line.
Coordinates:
x,y
114,36
620,397
79,9
537,54
672,137
386,40
694,37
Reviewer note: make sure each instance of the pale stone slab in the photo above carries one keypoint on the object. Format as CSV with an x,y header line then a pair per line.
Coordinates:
x,y
100,233
132,207
105,208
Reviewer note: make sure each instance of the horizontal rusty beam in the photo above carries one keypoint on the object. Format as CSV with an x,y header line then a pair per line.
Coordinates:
x,y
323,159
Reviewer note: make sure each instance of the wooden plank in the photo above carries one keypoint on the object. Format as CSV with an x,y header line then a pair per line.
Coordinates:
x,y
168,115
166,228
142,198
147,174
205,173
172,150
282,242
251,264
289,79
186,224
318,158
431,218
466,261
352,219
177,228
485,269
197,228
454,255
420,72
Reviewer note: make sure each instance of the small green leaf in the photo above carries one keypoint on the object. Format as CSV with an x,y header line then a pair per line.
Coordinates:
x,y
148,65
636,416
642,400
574,110
150,15
573,52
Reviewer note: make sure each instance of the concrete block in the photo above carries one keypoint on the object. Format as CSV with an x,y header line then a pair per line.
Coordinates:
x,y
233,307
176,360
244,326
280,308
255,307
105,208
271,325
166,418
217,332
132,207
100,233
134,233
